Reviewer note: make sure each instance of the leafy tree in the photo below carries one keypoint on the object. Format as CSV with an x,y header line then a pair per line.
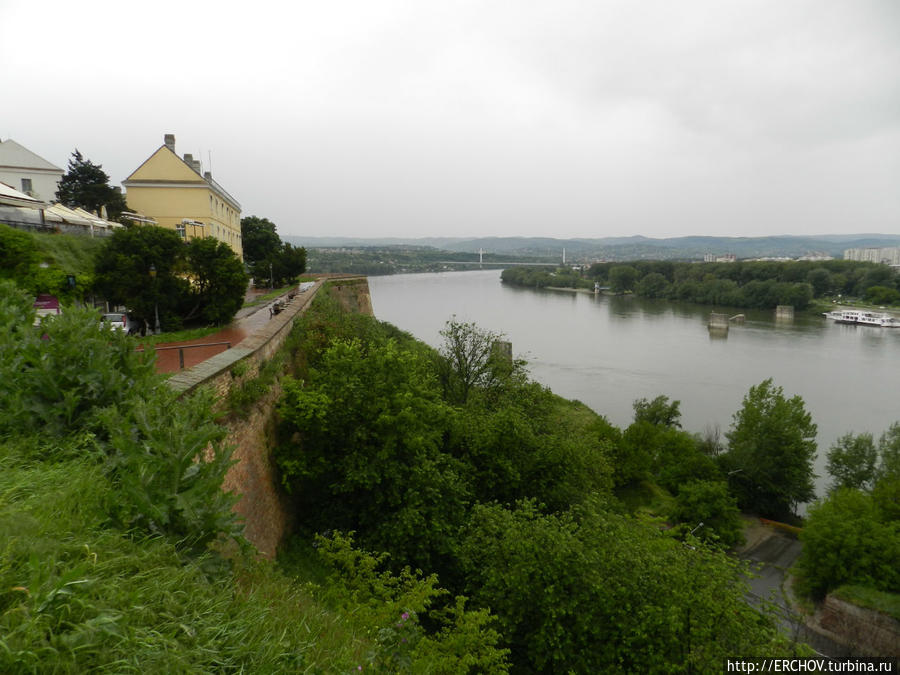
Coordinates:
x,y
595,591
267,256
821,281
281,267
771,448
622,278
218,280
846,540
852,461
361,446
882,295
123,272
469,360
259,239
659,411
889,451
710,503
654,285
150,269
85,184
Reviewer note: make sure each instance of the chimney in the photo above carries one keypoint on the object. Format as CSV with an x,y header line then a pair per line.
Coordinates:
x,y
188,159
196,166
207,175
169,140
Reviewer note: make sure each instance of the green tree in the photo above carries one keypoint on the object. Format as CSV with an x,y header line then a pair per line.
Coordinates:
x,y
361,447
150,269
846,541
123,273
595,591
882,295
852,462
86,184
709,503
659,411
269,259
820,280
771,448
259,239
654,285
622,278
469,360
218,280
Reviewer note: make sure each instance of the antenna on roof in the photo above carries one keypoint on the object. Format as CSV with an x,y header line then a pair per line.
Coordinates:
x,y
209,157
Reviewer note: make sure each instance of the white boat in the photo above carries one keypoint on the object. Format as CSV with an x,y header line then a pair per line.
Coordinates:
x,y
862,317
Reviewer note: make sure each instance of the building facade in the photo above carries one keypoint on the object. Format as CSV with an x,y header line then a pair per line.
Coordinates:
x,y
173,191
27,172
887,256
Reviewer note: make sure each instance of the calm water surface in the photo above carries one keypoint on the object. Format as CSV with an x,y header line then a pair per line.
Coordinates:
x,y
609,351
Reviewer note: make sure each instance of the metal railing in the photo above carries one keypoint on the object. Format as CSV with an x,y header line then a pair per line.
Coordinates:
x,y
181,349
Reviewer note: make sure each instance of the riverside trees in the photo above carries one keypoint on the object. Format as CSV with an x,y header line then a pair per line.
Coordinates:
x,y
771,448
506,496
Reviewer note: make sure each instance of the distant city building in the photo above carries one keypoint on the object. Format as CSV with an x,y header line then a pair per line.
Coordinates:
x,y
727,258
885,256
814,257
173,191
25,171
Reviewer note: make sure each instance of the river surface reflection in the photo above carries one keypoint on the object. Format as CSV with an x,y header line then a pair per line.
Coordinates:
x,y
608,351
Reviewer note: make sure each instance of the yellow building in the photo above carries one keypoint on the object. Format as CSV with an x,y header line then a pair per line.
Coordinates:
x,y
172,190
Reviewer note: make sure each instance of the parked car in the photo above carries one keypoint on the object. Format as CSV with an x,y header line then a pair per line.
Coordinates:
x,y
118,320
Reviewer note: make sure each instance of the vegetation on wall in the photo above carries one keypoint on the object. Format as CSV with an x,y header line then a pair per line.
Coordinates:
x,y
112,516
505,492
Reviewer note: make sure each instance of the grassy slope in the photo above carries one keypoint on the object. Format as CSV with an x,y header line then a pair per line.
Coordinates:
x,y
79,597
74,254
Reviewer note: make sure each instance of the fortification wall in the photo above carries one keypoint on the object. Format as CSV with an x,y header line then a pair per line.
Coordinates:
x,y
262,504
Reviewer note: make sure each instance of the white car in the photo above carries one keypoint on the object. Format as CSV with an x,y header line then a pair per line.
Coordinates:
x,y
118,320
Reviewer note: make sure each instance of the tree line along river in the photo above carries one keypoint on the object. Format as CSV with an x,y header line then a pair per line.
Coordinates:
x,y
607,351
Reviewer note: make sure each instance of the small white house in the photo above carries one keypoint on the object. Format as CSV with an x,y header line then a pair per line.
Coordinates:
x,y
27,172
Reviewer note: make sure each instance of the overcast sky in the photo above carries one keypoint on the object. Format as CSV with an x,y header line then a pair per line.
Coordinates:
x,y
560,118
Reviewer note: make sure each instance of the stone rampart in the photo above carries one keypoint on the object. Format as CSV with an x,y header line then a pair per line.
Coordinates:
x,y
262,504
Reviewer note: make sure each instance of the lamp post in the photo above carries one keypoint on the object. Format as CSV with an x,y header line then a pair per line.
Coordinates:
x,y
155,299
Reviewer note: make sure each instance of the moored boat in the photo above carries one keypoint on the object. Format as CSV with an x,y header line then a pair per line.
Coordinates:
x,y
863,317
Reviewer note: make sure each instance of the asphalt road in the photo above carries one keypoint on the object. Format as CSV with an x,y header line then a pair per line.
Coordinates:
x,y
772,557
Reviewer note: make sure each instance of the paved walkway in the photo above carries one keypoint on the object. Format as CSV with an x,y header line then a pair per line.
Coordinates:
x,y
247,321
772,555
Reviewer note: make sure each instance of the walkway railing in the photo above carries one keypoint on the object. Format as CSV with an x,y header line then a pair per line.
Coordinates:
x,y
181,349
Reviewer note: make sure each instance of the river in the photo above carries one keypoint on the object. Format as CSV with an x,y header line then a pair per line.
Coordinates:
x,y
608,351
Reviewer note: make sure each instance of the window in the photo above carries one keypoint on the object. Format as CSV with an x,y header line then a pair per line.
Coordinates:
x,y
179,228
26,186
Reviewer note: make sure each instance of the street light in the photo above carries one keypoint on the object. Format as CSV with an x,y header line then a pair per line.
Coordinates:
x,y
155,298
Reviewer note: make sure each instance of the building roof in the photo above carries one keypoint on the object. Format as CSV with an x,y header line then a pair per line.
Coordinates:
x,y
9,196
173,173
15,156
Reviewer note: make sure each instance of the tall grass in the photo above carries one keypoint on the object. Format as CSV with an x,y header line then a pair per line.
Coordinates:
x,y
74,254
76,596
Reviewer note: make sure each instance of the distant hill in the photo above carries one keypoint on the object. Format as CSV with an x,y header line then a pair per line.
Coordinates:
x,y
625,248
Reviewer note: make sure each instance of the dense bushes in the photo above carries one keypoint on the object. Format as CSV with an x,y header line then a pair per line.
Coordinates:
x,y
505,494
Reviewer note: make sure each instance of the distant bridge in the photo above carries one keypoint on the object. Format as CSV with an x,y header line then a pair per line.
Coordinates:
x,y
493,263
